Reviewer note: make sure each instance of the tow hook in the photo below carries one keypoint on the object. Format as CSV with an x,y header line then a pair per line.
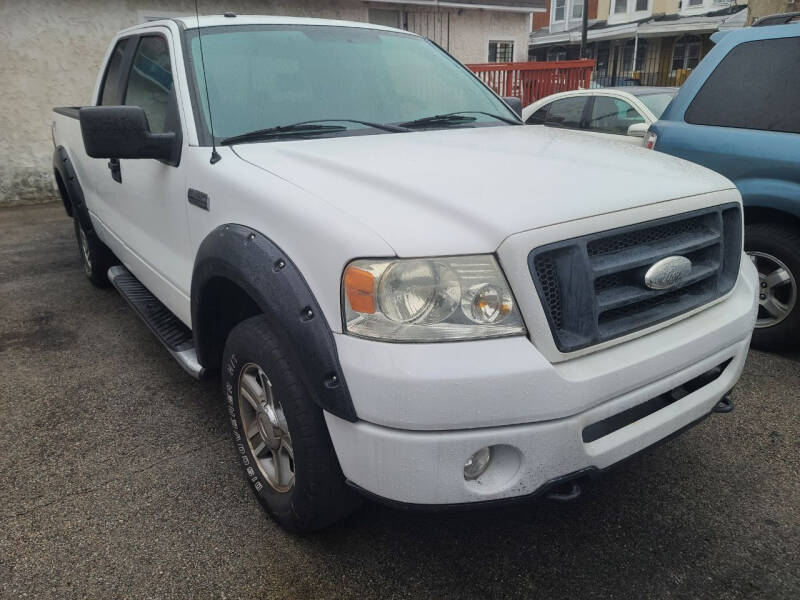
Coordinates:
x,y
725,405
566,492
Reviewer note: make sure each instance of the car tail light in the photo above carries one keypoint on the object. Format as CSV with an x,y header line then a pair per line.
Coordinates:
x,y
649,140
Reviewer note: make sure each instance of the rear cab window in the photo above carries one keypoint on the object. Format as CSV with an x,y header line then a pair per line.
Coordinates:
x,y
150,84
112,83
754,87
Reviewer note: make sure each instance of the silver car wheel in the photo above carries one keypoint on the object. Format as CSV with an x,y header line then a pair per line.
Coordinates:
x,y
777,289
265,428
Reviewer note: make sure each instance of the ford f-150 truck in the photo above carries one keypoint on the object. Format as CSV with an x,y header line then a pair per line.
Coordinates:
x,y
406,294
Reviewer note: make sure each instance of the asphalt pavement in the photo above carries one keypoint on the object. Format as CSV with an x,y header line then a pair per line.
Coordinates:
x,y
118,479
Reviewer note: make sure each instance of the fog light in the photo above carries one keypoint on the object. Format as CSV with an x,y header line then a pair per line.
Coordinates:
x,y
477,463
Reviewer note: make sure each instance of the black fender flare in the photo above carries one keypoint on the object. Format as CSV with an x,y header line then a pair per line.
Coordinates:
x,y
258,266
77,208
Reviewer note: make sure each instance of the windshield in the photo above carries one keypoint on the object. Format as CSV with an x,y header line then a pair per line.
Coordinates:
x,y
272,75
657,103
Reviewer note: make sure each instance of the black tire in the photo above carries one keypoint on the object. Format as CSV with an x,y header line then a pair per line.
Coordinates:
x,y
319,495
96,257
782,243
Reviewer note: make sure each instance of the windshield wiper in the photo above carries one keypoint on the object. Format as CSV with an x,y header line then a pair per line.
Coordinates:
x,y
453,118
304,128
298,129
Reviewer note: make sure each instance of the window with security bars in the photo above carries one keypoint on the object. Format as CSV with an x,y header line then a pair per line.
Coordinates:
x,y
501,52
686,54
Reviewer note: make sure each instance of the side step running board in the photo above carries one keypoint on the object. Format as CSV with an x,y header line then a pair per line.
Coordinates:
x,y
176,337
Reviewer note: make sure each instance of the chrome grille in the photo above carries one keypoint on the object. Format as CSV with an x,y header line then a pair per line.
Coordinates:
x,y
592,287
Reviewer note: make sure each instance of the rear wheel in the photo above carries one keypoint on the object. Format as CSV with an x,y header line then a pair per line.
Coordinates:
x,y
96,257
775,252
280,434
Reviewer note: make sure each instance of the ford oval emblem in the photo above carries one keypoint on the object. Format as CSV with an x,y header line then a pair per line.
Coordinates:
x,y
667,272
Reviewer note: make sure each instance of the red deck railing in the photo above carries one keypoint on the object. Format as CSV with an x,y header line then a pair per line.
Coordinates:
x,y
530,81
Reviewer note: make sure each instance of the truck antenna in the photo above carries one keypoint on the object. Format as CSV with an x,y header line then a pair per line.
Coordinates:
x,y
215,157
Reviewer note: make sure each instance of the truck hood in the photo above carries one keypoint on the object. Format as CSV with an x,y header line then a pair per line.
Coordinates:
x,y
465,190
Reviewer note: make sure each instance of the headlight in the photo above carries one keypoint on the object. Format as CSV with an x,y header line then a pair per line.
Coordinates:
x,y
430,299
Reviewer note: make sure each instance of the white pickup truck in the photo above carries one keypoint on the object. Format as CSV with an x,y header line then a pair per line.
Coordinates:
x,y
407,294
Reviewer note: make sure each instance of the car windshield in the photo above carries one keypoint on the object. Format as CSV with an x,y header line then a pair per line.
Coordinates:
x,y
268,76
657,103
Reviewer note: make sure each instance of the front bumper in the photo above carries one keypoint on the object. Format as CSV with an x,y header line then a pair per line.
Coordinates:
x,y
425,408
426,467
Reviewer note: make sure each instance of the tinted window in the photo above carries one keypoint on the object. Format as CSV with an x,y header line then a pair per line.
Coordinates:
x,y
612,115
539,116
109,95
754,87
566,112
150,82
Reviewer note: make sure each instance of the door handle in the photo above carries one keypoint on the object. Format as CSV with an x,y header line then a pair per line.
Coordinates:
x,y
116,172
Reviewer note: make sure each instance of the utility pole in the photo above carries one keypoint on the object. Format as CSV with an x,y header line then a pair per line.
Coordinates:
x,y
584,27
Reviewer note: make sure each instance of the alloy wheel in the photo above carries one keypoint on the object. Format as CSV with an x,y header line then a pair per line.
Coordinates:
x,y
777,289
265,428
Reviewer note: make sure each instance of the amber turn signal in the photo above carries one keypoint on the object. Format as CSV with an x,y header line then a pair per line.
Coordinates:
x,y
359,287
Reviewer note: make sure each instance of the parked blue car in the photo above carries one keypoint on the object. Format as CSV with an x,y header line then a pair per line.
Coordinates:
x,y
738,113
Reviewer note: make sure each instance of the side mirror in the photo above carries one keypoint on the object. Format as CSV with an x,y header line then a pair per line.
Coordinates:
x,y
123,132
515,104
638,130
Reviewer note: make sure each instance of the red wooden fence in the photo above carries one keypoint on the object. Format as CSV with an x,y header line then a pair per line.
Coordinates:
x,y
530,81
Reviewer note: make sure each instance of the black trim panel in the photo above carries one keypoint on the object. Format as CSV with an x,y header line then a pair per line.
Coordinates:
x,y
67,111
198,199
63,166
248,259
609,425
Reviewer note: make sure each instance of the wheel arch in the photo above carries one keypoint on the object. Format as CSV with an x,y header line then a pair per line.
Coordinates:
x,y
69,188
62,192
770,214
239,272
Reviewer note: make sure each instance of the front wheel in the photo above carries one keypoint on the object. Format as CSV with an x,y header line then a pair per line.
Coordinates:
x,y
280,434
775,252
96,257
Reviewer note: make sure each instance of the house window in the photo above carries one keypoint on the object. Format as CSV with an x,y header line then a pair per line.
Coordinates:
x,y
686,54
387,18
603,51
627,55
577,9
557,53
641,5
558,10
501,52
695,2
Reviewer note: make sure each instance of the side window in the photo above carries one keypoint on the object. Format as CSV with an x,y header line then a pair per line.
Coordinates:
x,y
109,92
150,83
742,93
612,115
567,112
539,117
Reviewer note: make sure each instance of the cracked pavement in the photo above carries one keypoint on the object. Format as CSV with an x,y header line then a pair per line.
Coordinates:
x,y
118,479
